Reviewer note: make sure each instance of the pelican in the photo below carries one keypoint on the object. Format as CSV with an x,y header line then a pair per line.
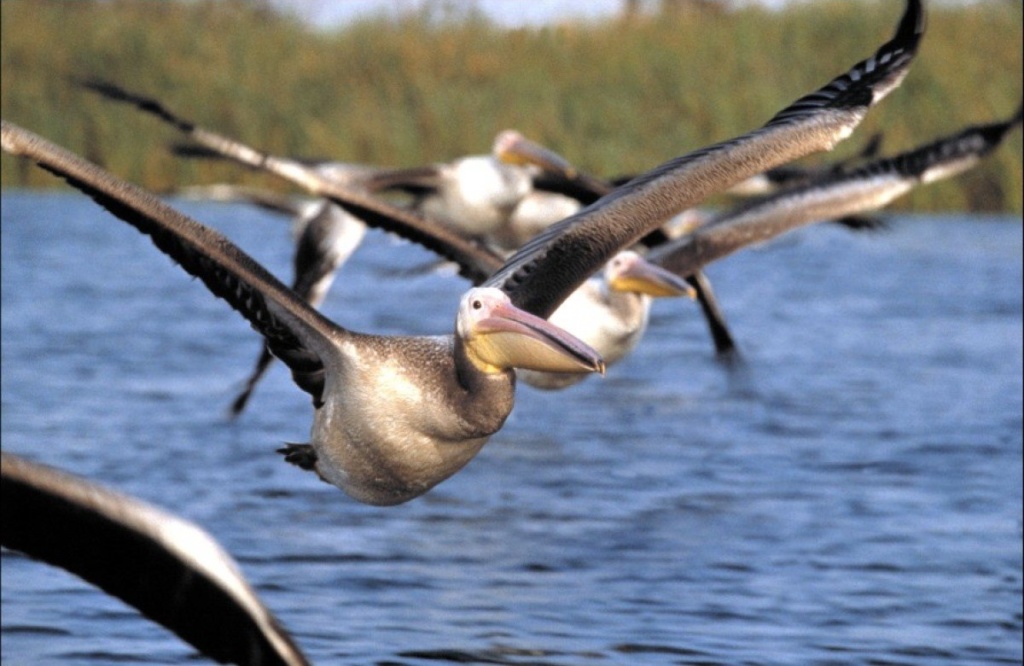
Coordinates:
x,y
486,197
869,187
394,416
170,569
609,312
558,174
316,179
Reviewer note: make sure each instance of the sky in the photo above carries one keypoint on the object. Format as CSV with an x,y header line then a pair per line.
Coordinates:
x,y
512,13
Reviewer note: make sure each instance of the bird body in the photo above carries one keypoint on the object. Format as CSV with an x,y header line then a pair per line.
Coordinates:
x,y
476,195
378,454
534,213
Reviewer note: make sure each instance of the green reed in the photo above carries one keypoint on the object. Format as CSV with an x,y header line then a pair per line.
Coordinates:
x,y
615,96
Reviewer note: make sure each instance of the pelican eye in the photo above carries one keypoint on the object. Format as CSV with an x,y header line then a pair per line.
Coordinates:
x,y
477,304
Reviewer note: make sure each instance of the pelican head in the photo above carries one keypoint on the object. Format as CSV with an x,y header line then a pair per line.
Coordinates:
x,y
499,336
629,272
511,147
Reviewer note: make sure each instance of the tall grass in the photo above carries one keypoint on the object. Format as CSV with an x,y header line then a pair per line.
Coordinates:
x,y
614,96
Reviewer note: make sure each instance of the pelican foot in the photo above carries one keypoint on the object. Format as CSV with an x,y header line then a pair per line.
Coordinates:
x,y
301,455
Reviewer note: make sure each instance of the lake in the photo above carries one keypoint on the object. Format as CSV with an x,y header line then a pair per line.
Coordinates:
x,y
850,494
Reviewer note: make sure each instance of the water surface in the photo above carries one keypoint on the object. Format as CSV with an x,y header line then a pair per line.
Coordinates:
x,y
850,495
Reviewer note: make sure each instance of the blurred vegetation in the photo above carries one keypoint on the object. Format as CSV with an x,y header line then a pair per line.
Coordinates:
x,y
614,95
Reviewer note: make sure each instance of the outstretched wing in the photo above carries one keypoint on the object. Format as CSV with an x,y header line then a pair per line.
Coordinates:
x,y
957,153
294,331
559,175
549,267
867,188
475,262
170,569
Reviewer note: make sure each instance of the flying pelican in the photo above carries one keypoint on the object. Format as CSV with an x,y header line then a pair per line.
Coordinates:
x,y
170,569
315,179
394,416
487,197
610,312
869,187
557,173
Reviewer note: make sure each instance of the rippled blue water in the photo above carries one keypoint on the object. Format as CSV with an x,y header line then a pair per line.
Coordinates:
x,y
851,495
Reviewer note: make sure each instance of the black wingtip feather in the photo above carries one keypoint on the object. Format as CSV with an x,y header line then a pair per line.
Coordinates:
x,y
872,78
148,104
977,141
194,151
